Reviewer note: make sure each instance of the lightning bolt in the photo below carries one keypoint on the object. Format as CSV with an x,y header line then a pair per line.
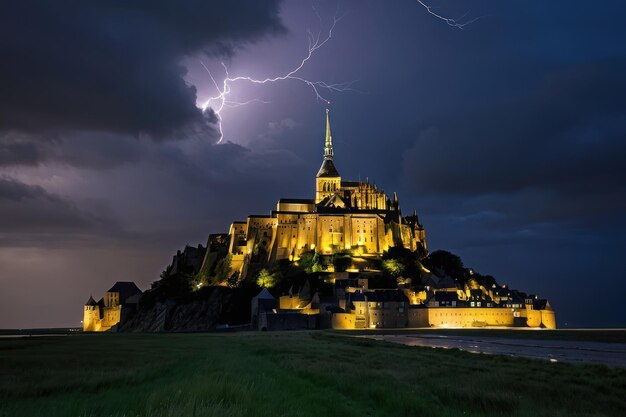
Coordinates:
x,y
457,23
221,102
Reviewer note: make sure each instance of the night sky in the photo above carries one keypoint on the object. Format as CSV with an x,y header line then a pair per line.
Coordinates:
x,y
507,136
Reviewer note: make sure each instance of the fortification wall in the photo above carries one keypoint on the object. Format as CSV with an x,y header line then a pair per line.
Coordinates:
x,y
469,317
533,318
418,317
343,321
458,317
548,319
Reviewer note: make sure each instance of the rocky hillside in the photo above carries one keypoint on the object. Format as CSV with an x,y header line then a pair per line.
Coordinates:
x,y
203,311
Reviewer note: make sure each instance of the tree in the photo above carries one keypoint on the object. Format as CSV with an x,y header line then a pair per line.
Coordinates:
x,y
393,267
311,261
448,262
222,269
306,261
318,263
406,259
342,260
266,279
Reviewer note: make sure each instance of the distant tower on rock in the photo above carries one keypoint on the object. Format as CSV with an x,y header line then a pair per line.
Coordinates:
x,y
328,180
91,316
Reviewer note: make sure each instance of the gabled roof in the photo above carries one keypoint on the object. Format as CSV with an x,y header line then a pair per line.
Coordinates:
x,y
334,201
327,169
125,288
264,294
91,302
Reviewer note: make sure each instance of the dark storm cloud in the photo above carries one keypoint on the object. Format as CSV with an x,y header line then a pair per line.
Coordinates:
x,y
563,143
93,150
18,152
115,65
32,216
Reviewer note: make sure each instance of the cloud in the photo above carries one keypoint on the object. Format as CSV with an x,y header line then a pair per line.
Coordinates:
x,y
31,216
275,129
91,150
18,152
114,66
555,154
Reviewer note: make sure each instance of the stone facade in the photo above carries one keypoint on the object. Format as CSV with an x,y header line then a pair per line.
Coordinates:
x,y
344,215
116,305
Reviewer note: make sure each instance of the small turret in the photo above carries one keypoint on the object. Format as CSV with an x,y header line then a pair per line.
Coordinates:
x,y
91,316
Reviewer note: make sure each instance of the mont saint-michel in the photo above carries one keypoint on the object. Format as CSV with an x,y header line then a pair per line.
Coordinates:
x,y
346,258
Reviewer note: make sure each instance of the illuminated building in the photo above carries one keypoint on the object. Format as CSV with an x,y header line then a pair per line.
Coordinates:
x,y
119,301
344,215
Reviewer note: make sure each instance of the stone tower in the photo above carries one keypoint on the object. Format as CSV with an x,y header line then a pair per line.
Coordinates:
x,y
328,180
91,316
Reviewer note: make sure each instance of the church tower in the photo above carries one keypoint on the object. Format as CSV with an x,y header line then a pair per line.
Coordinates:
x,y
328,180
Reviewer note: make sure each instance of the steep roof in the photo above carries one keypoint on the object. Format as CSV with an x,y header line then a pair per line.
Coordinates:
x,y
333,201
264,294
327,169
91,302
125,288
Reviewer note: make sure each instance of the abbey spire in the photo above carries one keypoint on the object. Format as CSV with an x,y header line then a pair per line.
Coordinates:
x,y
328,167
328,146
328,180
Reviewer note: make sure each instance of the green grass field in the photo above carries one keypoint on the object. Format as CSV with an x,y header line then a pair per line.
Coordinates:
x,y
288,374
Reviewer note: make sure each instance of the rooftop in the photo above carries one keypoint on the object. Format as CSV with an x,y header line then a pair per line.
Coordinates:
x,y
328,169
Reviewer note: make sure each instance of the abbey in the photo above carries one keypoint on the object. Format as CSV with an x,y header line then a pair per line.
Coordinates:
x,y
346,258
344,215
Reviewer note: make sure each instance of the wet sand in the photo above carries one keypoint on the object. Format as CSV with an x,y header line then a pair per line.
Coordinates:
x,y
611,354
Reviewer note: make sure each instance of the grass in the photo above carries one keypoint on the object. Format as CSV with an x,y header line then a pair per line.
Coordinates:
x,y
288,374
